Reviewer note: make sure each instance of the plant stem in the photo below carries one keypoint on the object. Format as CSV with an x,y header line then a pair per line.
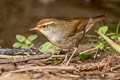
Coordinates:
x,y
117,30
110,42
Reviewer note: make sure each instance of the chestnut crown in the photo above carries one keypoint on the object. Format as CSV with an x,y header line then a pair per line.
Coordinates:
x,y
44,23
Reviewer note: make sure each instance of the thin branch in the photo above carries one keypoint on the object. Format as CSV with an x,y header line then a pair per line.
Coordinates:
x,y
26,58
46,68
71,56
92,49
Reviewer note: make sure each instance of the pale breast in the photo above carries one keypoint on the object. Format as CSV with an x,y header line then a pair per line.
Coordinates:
x,y
67,42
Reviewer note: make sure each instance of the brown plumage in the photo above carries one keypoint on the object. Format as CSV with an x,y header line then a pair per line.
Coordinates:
x,y
66,33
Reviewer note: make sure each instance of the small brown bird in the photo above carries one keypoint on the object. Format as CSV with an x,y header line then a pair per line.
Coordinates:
x,y
66,34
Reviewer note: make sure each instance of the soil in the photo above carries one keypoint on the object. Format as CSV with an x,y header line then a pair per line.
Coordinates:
x,y
103,66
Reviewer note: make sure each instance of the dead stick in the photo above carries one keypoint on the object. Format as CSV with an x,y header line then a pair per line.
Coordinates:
x,y
5,57
71,56
46,68
22,59
9,59
92,49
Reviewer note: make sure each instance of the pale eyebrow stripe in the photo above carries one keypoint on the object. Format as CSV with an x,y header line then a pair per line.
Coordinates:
x,y
49,23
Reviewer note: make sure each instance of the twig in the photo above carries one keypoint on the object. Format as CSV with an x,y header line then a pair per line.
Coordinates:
x,y
91,36
67,75
96,54
113,44
46,68
58,56
9,59
71,56
9,56
26,58
92,49
7,51
5,57
113,68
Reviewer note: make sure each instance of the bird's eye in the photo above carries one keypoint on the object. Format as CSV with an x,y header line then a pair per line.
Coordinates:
x,y
44,26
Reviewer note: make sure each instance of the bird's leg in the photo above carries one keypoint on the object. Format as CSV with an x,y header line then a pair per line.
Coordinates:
x,y
102,23
75,50
66,56
65,60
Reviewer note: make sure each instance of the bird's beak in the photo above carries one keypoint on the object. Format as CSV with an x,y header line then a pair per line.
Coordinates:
x,y
34,29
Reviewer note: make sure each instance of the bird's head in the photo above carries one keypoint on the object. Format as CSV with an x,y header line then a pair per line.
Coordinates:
x,y
46,26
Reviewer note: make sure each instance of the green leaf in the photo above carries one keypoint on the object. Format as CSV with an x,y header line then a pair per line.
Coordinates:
x,y
84,55
27,54
103,29
47,46
55,52
20,38
32,37
17,53
101,46
28,42
17,45
24,45
20,53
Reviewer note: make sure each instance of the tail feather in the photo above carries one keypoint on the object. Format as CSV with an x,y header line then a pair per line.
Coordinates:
x,y
98,18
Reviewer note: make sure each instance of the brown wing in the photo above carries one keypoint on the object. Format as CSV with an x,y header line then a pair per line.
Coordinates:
x,y
81,24
78,26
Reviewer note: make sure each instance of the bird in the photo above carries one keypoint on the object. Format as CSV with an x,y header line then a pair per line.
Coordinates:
x,y
66,34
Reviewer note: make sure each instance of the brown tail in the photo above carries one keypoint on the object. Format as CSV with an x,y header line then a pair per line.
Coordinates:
x,y
98,18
